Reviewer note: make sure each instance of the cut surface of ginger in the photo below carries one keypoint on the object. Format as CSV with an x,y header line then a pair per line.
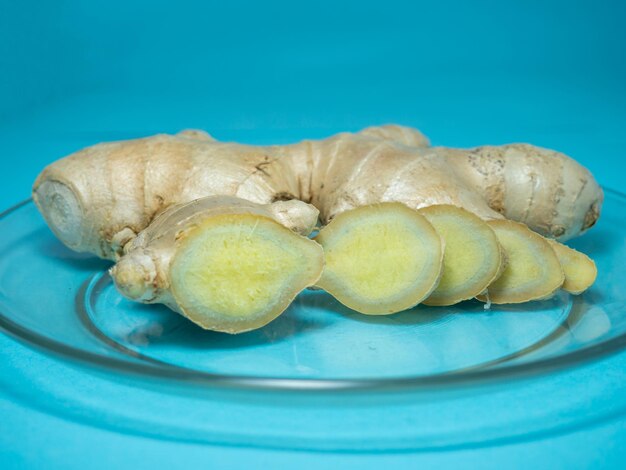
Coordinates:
x,y
380,259
472,257
580,270
238,272
532,270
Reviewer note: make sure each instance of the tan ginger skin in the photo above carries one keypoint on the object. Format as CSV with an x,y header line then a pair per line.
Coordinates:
x,y
218,231
98,199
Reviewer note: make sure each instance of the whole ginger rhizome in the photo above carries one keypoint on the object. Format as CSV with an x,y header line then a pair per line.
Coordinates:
x,y
221,232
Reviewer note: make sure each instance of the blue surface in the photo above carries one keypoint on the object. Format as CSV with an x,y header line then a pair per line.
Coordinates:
x,y
466,73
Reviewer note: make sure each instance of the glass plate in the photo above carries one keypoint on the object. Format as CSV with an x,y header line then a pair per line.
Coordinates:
x,y
318,364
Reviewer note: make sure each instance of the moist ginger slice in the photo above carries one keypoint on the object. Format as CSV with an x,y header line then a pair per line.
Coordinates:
x,y
472,257
380,259
241,270
580,270
226,264
532,270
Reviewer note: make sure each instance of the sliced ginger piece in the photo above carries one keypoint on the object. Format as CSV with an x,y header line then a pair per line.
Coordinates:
x,y
225,263
580,270
380,259
238,272
532,270
472,257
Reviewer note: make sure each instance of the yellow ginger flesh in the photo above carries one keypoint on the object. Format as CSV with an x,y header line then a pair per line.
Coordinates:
x,y
472,259
380,259
240,270
580,271
532,270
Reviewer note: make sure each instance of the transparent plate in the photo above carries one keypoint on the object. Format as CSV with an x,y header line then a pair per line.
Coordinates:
x,y
318,364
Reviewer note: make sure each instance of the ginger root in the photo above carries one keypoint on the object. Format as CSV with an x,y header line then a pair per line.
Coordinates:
x,y
99,198
133,201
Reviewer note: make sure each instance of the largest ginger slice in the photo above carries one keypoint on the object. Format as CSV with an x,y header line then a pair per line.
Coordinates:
x,y
227,265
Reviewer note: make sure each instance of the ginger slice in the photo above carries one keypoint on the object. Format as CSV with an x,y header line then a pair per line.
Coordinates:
x,y
580,270
238,272
472,257
380,259
225,263
532,270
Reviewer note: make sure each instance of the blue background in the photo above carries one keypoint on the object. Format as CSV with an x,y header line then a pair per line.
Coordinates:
x,y
466,73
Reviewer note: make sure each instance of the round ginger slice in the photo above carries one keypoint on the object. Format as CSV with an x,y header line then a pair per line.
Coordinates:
x,y
380,259
472,257
237,272
580,270
532,270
